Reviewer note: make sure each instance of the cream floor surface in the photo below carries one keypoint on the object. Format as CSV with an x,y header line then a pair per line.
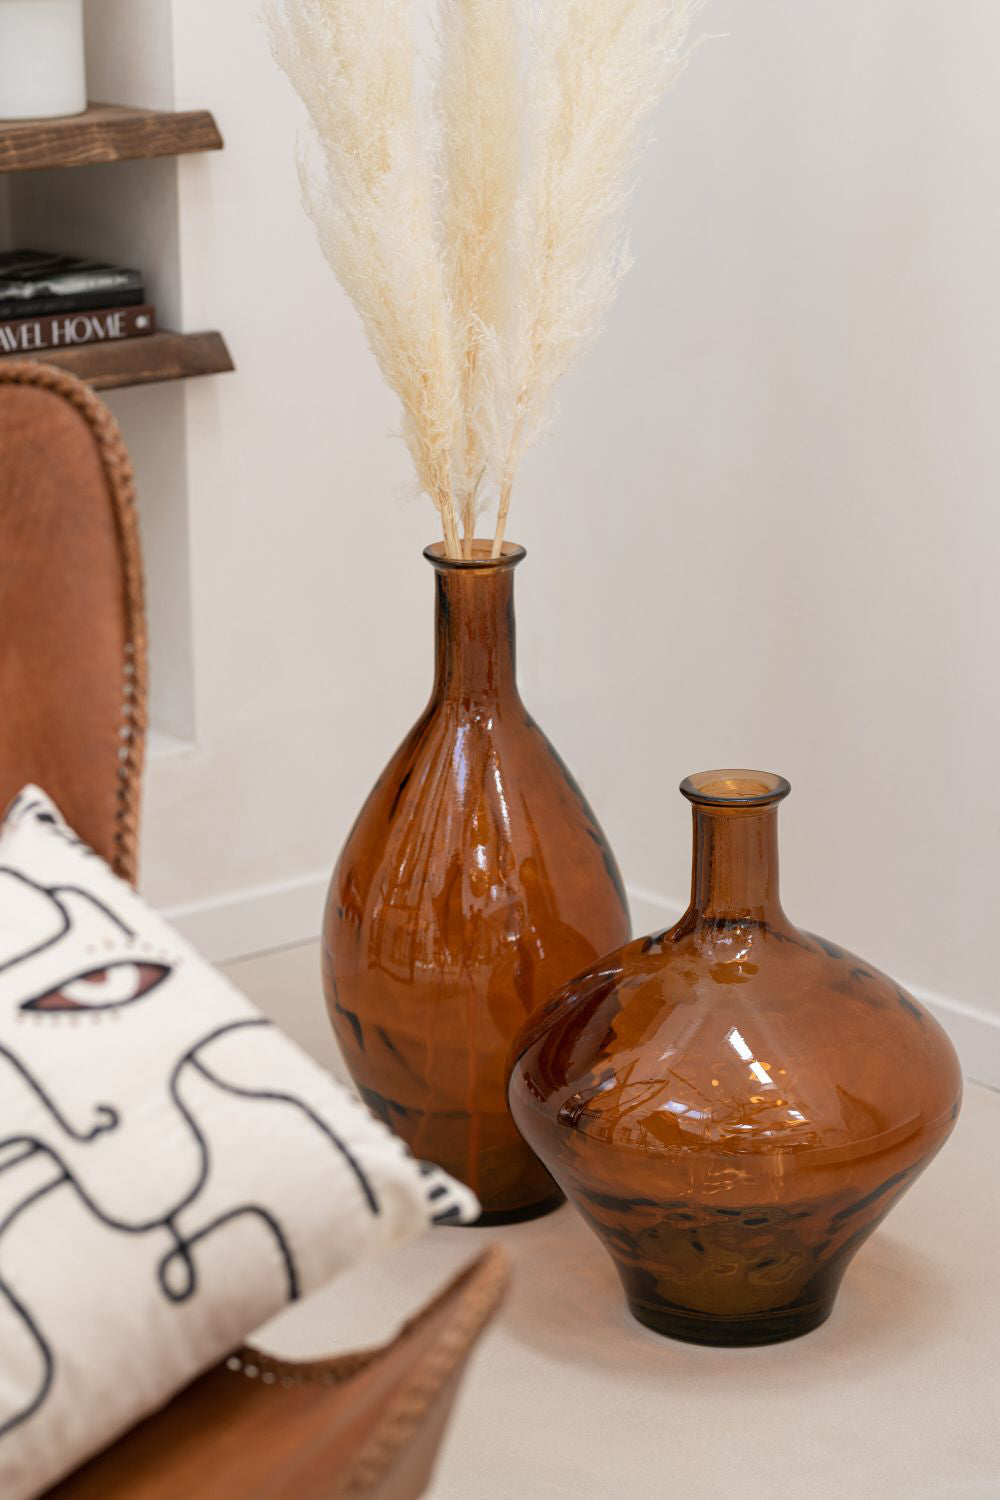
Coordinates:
x,y
898,1395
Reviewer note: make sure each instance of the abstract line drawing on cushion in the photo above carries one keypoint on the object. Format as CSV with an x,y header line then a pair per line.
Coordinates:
x,y
133,1116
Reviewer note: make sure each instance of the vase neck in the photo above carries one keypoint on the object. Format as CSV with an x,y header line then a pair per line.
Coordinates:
x,y
474,627
735,865
735,868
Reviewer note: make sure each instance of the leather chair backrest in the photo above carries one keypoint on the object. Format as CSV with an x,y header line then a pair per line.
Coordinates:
x,y
72,619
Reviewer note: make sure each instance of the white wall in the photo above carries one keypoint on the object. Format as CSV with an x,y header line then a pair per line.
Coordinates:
x,y
129,212
764,531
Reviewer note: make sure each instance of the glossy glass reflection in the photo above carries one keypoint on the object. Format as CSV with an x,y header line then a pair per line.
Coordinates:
x,y
474,883
734,1104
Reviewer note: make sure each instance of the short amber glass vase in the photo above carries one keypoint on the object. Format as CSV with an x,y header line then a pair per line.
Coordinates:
x,y
733,1104
475,881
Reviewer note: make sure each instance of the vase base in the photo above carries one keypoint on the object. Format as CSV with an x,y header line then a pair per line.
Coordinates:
x,y
732,1333
489,1220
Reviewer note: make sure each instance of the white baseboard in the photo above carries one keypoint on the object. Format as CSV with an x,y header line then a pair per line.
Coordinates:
x,y
287,912
291,912
254,920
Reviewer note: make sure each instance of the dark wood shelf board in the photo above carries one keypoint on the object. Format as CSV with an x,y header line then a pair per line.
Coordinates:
x,y
103,133
141,361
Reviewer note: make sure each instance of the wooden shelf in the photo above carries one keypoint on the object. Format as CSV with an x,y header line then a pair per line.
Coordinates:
x,y
140,361
107,133
103,133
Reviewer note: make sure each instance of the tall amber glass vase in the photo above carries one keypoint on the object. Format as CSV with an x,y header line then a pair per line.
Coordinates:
x,y
475,881
734,1104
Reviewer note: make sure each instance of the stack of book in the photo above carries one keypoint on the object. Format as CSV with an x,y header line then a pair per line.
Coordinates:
x,y
57,302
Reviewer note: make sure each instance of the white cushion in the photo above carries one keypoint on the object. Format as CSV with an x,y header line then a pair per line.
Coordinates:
x,y
173,1170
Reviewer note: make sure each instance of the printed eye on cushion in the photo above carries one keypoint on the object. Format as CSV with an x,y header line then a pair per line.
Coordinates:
x,y
102,989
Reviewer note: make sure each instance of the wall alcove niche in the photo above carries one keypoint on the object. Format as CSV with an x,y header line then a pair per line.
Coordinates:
x,y
107,184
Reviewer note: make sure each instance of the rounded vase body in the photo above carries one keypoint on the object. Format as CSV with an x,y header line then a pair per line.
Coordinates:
x,y
733,1104
475,881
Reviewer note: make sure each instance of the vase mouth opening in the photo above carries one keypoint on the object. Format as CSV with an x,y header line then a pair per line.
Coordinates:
x,y
735,789
480,556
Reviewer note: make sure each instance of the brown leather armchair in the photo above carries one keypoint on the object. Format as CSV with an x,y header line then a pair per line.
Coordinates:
x,y
73,720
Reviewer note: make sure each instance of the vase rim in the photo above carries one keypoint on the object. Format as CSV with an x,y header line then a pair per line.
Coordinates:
x,y
734,788
511,553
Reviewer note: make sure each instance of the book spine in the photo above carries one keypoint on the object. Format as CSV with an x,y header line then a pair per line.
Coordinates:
x,y
66,331
70,280
17,308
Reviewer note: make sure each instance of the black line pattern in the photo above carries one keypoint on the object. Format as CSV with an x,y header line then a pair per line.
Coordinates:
x,y
182,1253
282,1098
52,894
21,1312
105,1115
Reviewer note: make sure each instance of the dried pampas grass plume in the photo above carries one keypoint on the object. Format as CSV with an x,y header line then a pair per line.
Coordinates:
x,y
352,62
483,246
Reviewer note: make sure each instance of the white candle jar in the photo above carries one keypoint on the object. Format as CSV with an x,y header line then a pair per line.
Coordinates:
x,y
41,59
